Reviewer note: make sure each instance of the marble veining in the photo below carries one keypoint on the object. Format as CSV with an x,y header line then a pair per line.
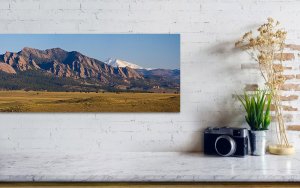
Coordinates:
x,y
146,166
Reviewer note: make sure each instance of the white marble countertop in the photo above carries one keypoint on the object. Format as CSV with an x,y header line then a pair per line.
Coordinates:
x,y
147,166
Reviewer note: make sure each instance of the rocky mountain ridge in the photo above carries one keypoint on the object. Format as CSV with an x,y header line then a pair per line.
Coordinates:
x,y
62,64
81,69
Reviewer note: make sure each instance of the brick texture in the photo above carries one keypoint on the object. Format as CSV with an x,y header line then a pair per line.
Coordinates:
x,y
293,127
290,98
251,87
284,56
285,108
289,77
293,47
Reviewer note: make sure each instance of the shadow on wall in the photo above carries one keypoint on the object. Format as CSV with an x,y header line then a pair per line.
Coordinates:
x,y
226,58
224,49
229,113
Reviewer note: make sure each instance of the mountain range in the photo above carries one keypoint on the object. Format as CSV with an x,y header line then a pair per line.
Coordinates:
x,y
59,70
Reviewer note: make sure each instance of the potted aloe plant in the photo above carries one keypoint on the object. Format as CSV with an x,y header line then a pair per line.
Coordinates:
x,y
257,107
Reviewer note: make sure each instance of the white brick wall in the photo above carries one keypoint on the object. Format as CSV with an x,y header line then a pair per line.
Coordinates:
x,y
210,70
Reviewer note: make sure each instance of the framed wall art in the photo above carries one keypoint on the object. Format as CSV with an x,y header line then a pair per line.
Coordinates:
x,y
90,73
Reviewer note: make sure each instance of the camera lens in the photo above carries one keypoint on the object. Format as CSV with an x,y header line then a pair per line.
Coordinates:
x,y
225,145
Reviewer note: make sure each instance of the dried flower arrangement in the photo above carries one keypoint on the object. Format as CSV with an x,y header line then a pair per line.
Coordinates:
x,y
266,48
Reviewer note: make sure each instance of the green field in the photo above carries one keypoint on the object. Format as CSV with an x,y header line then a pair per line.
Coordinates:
x,y
41,101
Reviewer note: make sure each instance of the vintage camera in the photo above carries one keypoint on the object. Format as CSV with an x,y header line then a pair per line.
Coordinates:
x,y
226,141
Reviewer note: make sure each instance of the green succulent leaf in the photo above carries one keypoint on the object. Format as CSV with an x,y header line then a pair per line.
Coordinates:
x,y
257,107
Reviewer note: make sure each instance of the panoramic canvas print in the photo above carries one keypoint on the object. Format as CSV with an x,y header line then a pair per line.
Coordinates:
x,y
89,72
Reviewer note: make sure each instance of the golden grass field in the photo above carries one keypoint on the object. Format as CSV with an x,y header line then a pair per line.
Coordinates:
x,y
41,101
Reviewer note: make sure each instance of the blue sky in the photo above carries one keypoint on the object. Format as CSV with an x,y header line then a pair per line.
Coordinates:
x,y
146,50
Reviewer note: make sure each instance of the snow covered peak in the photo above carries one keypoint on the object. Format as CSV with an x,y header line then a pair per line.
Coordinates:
x,y
121,63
